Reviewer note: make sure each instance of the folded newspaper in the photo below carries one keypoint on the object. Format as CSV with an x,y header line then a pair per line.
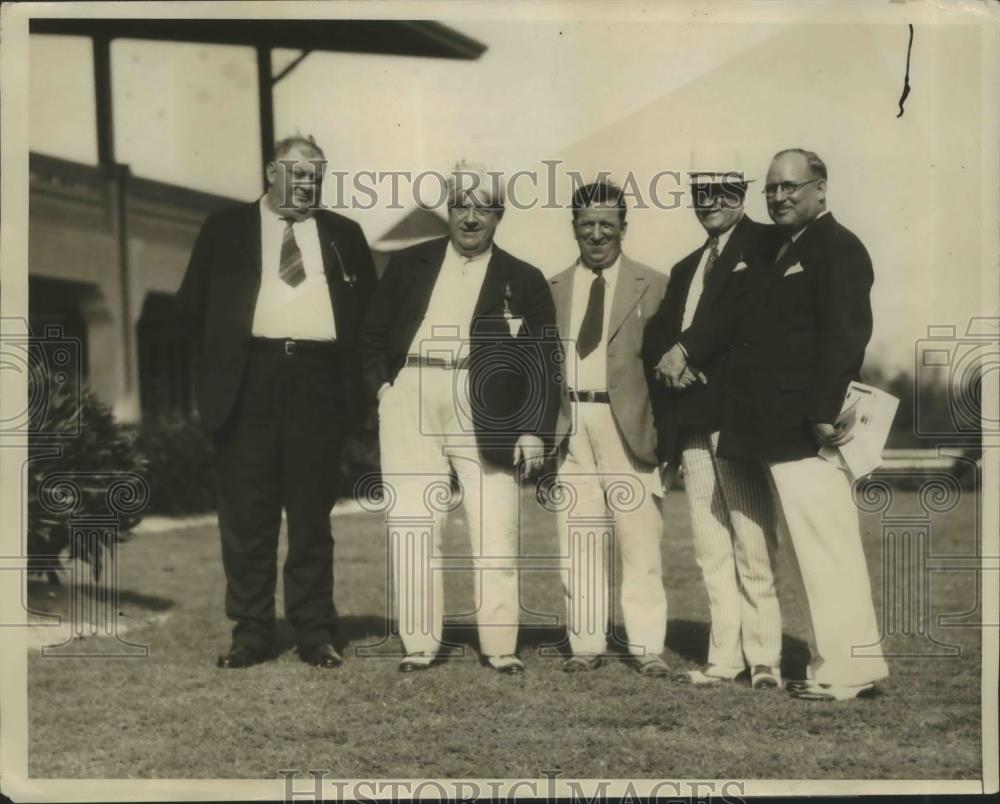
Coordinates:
x,y
867,415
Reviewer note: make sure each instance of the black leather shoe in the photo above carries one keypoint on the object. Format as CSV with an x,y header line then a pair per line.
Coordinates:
x,y
324,656
240,656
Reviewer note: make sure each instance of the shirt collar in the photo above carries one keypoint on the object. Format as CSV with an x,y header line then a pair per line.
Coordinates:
x,y
266,210
461,259
607,272
798,234
724,237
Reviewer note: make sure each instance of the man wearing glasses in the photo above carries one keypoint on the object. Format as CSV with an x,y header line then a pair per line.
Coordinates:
x,y
798,333
459,347
732,513
275,290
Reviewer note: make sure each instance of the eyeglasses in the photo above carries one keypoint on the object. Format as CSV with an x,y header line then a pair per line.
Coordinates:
x,y
787,187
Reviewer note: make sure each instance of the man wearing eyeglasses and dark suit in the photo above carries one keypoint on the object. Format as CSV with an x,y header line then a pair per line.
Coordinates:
x,y
275,290
798,333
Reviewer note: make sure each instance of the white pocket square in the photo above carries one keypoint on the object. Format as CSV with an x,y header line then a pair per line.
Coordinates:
x,y
795,269
514,325
740,266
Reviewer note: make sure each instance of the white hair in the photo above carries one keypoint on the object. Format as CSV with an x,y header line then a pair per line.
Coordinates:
x,y
468,177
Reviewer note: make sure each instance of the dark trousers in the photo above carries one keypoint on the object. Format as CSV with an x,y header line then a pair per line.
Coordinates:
x,y
281,449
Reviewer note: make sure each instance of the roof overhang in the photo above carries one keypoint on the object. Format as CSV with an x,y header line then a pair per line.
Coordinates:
x,y
385,37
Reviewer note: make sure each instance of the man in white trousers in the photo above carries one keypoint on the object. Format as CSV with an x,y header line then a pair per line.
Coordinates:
x,y
457,331
732,513
798,332
607,439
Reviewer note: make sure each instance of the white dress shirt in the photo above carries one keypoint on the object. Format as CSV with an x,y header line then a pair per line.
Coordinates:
x,y
590,373
444,331
282,311
698,280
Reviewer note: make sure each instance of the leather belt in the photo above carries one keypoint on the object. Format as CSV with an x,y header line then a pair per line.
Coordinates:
x,y
589,396
292,347
436,362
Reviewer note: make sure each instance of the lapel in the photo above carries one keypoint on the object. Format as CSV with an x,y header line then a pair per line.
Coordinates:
x,y
244,251
333,267
629,290
425,273
495,285
730,255
562,296
814,232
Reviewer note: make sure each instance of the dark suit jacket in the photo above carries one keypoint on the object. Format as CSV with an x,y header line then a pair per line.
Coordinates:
x,y
698,406
798,330
219,295
515,379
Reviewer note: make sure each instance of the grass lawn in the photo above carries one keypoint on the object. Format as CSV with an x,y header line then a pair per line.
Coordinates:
x,y
174,715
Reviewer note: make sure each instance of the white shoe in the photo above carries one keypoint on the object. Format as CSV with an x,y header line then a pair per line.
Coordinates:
x,y
763,677
414,662
509,664
710,674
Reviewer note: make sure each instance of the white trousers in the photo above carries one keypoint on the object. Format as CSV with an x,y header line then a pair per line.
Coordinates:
x,y
425,432
822,522
735,537
609,497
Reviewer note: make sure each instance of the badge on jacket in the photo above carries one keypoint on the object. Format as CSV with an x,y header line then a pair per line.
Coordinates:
x,y
513,321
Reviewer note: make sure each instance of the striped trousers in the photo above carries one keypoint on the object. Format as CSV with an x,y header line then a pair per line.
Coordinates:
x,y
735,537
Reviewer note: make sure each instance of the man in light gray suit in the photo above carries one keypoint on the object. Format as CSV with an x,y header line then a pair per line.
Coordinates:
x,y
607,440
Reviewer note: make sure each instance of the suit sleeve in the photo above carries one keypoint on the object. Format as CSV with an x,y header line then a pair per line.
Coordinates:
x,y
540,318
376,329
656,336
845,326
192,296
367,280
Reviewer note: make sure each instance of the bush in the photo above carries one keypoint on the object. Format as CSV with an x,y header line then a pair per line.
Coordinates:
x,y
181,465
77,455
181,470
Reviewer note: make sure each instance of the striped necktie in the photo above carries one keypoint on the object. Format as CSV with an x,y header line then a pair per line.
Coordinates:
x,y
291,269
713,255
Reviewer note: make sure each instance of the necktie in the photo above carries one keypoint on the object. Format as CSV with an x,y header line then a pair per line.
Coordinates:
x,y
592,326
781,251
291,269
713,255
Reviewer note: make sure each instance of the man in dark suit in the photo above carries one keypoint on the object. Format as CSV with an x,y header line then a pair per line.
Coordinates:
x,y
275,290
798,331
732,516
458,347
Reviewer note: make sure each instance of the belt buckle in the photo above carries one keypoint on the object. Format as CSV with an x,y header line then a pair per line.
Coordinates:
x,y
290,347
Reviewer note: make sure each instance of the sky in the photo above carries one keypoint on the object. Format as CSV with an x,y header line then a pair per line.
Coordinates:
x,y
630,94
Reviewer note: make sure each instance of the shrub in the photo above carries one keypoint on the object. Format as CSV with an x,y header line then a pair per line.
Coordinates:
x,y
181,471
82,466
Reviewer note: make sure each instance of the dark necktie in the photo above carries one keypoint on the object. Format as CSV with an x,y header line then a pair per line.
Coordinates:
x,y
291,269
592,326
713,255
781,251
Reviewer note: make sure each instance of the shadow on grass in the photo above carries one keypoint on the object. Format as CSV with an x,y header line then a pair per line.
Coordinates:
x,y
689,639
44,596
